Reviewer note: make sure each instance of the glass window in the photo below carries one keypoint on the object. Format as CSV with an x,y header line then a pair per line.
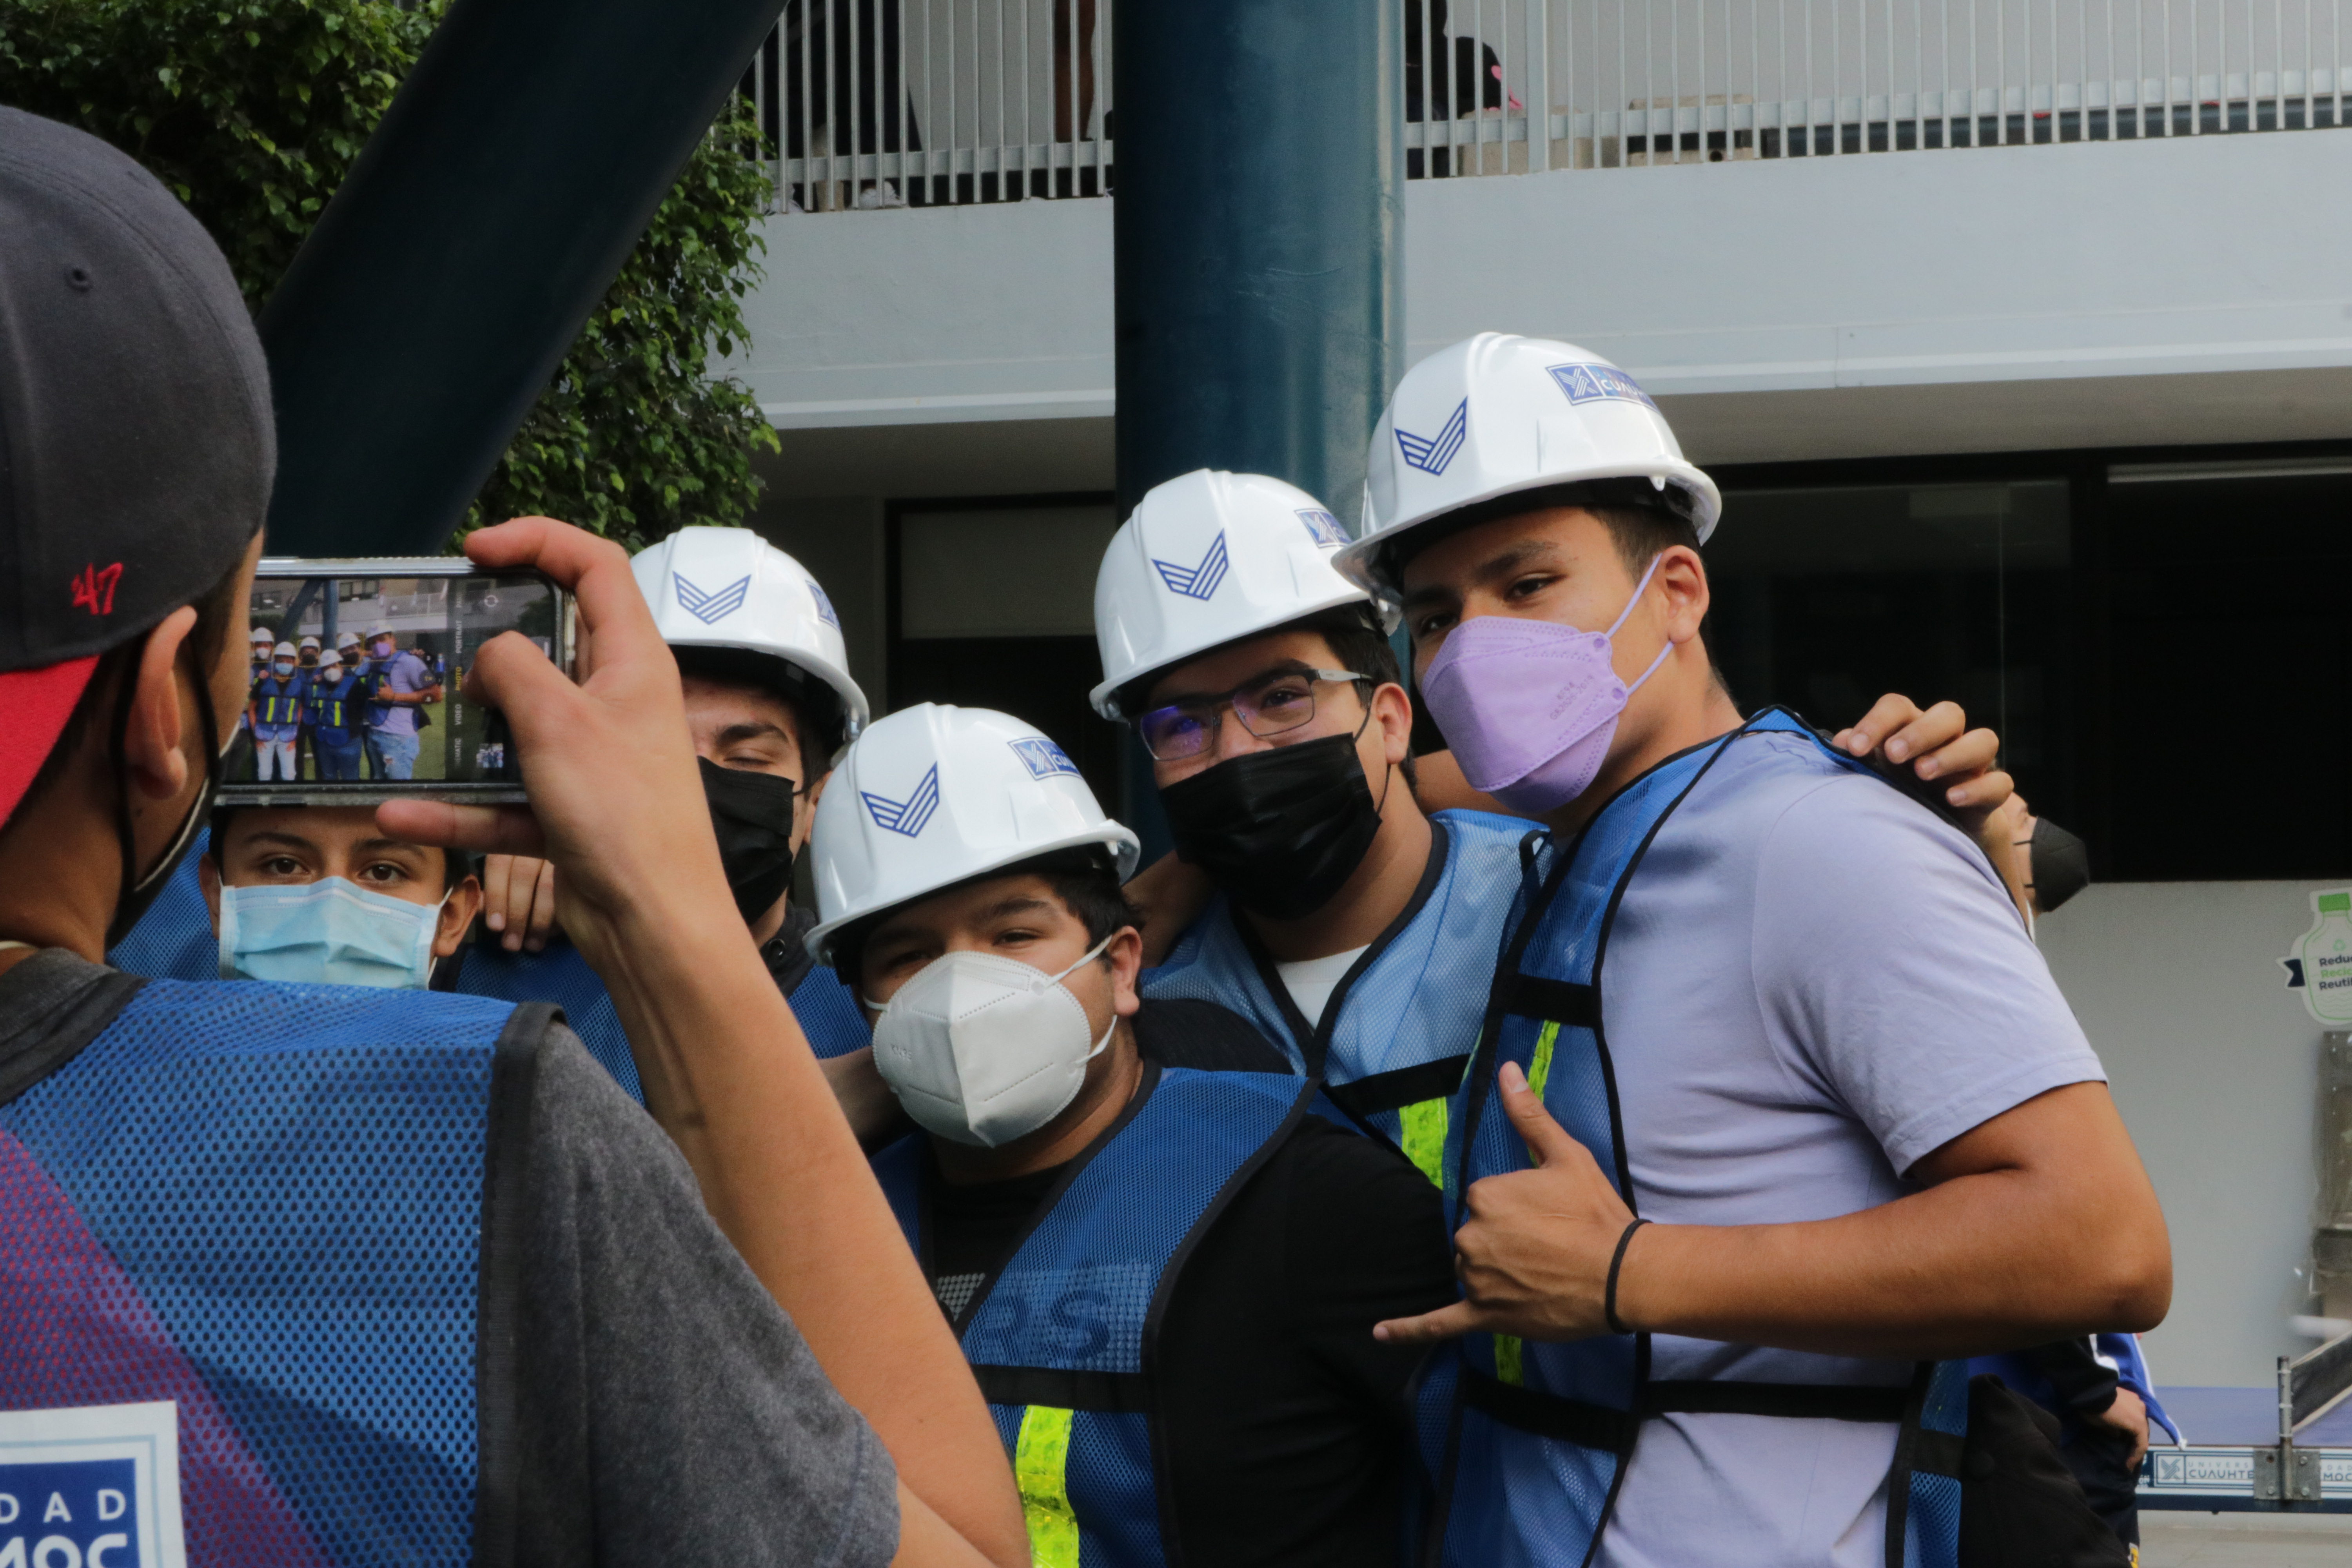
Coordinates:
x,y
1826,599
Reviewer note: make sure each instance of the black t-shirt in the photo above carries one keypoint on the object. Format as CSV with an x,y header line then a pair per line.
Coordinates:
x,y
1288,1426
659,1407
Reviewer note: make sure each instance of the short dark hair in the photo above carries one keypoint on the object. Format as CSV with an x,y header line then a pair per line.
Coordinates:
x,y
1642,520
455,864
1085,880
217,609
819,719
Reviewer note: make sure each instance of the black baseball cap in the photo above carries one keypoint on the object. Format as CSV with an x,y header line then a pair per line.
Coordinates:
x,y
136,444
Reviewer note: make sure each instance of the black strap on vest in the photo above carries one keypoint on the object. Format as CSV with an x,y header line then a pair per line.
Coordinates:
x,y
1113,1392
1560,1001
1593,1426
1400,1087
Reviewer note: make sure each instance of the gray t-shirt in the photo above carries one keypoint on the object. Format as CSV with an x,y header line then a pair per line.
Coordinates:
x,y
1812,983
666,1410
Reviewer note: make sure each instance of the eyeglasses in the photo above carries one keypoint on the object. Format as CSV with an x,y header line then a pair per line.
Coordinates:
x,y
1267,706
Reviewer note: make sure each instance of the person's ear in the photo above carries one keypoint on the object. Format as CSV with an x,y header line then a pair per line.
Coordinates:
x,y
1392,711
209,879
458,912
1682,577
1125,955
159,720
805,811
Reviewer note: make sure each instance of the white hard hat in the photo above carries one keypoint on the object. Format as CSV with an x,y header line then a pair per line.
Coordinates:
x,y
309,641
263,634
728,587
1208,558
1496,414
346,639
285,650
377,629
933,795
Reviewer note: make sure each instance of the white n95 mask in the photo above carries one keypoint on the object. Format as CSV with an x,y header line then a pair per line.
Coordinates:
x,y
327,932
982,1050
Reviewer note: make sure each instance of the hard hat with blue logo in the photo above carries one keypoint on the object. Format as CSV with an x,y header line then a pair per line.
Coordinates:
x,y
1495,415
1209,558
934,796
728,588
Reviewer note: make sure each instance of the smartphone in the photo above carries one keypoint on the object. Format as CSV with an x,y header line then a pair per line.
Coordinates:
x,y
357,672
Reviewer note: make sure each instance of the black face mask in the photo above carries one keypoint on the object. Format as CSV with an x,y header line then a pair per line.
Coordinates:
x,y
752,815
1279,830
2060,865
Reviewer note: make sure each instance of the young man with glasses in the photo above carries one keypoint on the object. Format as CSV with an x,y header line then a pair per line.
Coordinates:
x,y
1354,928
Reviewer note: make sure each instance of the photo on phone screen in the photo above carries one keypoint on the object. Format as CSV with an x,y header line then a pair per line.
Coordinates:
x,y
357,672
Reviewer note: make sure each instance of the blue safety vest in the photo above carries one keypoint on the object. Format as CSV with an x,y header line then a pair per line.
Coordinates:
x,y
265,1205
1063,1335
1529,1440
278,706
827,1012
1402,1023
332,710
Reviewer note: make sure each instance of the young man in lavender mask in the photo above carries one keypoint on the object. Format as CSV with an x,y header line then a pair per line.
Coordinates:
x,y
1778,1109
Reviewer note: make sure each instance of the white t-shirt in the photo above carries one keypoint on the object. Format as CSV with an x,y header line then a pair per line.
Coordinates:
x,y
1311,981
1813,983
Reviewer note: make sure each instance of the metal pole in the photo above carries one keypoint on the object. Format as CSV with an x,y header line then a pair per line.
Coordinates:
x,y
1258,245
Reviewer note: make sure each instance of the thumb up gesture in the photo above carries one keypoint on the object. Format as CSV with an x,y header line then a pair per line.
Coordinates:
x,y
1534,1253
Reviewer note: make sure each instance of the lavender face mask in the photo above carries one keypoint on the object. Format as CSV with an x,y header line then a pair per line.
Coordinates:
x,y
1529,707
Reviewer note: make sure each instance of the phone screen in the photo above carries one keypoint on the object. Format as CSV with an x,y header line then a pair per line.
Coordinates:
x,y
356,672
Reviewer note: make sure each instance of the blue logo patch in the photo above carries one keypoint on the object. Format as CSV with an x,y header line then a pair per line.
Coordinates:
x,y
1323,526
824,605
1597,383
1430,454
708,607
911,814
1196,582
1043,758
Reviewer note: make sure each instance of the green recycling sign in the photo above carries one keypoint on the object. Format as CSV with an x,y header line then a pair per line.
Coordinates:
x,y
2321,964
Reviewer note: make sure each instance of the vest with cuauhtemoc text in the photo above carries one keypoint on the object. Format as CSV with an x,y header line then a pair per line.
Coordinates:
x,y
242,1289
1529,1440
1400,1025
1063,1335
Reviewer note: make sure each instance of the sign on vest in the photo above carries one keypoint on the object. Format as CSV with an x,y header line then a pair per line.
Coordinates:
x,y
93,1487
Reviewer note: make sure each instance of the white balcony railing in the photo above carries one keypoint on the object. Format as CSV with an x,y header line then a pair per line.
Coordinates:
x,y
887,102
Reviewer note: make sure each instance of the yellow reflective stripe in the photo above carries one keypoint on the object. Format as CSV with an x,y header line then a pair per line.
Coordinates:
x,y
1507,1368
1040,1464
1424,1137
1539,1069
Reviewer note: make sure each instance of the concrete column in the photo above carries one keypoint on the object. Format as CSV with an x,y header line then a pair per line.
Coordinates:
x,y
1259,242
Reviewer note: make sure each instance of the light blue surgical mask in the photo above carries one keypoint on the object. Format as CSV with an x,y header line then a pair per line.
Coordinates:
x,y
327,932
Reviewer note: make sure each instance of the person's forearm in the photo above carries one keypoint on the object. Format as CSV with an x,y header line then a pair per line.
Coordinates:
x,y
1982,1263
728,1073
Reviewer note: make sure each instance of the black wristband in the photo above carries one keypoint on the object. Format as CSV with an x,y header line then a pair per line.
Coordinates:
x,y
1609,1300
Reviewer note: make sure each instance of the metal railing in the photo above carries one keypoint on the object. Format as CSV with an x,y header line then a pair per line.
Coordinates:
x,y
890,102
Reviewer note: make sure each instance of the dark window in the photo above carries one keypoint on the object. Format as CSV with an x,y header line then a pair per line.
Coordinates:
x,y
2230,639
992,606
1826,599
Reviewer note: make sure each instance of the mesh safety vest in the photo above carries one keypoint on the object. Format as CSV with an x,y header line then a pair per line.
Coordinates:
x,y
334,710
277,706
265,1205
1529,1440
828,1014
1401,1025
1063,1335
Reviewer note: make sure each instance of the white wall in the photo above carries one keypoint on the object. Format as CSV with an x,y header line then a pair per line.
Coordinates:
x,y
2104,293
2215,1066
